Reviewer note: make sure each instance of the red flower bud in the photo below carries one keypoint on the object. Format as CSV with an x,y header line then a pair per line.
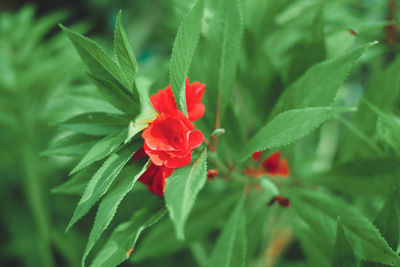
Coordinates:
x,y
256,155
284,202
211,174
274,166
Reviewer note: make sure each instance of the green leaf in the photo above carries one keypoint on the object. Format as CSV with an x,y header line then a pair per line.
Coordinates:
x,y
101,181
98,62
343,255
126,59
77,183
230,249
111,201
319,85
364,238
124,238
181,190
117,96
223,41
269,188
142,121
71,145
95,123
207,215
183,51
288,127
101,149
387,221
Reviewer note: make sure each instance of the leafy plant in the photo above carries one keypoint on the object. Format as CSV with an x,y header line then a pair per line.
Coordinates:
x,y
274,116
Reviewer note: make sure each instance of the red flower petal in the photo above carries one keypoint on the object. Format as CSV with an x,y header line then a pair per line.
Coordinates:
x,y
154,177
163,100
195,139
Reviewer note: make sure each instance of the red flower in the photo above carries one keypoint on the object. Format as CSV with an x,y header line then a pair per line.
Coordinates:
x,y
164,100
169,140
274,166
154,177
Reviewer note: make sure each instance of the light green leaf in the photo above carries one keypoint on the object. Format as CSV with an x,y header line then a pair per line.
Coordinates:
x,y
98,62
269,188
128,103
183,51
124,238
101,149
95,123
288,127
343,255
181,190
126,59
319,85
101,181
111,201
223,40
230,249
142,121
364,238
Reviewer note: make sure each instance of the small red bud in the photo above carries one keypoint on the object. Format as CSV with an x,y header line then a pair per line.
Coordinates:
x,y
256,155
284,202
211,174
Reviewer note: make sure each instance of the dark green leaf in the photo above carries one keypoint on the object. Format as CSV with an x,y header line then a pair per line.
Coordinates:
x,y
124,238
123,50
71,145
98,62
101,181
117,96
387,221
95,123
182,188
183,51
230,249
111,201
101,149
364,238
343,255
77,183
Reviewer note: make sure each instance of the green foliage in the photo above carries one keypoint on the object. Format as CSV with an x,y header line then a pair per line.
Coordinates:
x,y
125,236
230,249
283,76
288,127
181,190
101,181
364,238
342,254
183,51
110,203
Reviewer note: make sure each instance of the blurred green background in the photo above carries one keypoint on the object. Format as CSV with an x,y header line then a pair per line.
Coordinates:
x,y
43,81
